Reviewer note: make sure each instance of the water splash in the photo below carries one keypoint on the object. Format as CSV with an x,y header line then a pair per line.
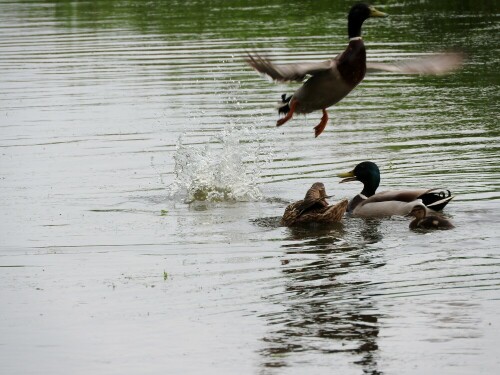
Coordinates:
x,y
227,168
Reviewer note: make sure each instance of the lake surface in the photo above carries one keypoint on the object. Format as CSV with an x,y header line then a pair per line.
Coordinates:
x,y
142,178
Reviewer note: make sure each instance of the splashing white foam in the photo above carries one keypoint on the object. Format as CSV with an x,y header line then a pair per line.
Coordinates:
x,y
228,168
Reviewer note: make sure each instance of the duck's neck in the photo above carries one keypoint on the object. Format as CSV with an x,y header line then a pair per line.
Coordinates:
x,y
354,202
354,27
370,186
368,191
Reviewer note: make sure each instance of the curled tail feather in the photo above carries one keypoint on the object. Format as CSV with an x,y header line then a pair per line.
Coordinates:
x,y
436,199
284,109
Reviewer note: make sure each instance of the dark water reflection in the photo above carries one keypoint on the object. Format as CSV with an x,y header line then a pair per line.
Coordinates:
x,y
319,311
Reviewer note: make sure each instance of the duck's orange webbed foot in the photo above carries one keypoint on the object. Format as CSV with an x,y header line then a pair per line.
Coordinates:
x,y
318,129
293,105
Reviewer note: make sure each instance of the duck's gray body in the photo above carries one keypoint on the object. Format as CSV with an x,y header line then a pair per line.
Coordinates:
x,y
337,79
321,91
386,203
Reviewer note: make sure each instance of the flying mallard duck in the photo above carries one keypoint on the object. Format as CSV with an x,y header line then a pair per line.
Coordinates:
x,y
388,203
330,81
314,209
422,221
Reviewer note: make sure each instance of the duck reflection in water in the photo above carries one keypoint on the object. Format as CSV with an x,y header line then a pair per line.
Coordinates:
x,y
322,308
370,230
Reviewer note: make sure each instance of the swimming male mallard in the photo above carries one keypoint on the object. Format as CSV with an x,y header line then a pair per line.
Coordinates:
x,y
333,79
423,221
314,209
388,203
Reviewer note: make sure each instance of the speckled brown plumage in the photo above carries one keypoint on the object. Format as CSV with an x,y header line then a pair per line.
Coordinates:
x,y
351,64
424,221
314,209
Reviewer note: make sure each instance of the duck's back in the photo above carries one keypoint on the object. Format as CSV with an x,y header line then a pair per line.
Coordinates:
x,y
316,214
329,87
382,209
386,203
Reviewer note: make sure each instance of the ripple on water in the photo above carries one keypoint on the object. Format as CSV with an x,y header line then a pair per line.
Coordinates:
x,y
93,91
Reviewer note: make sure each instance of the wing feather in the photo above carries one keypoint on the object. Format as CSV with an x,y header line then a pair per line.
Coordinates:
x,y
287,72
434,65
396,195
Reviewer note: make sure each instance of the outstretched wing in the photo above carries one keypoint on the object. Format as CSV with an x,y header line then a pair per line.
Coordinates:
x,y
287,72
436,64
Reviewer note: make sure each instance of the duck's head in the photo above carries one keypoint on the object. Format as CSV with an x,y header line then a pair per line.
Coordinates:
x,y
320,188
358,14
418,211
317,191
366,172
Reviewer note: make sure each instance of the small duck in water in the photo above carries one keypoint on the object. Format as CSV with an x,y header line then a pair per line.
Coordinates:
x,y
422,221
314,209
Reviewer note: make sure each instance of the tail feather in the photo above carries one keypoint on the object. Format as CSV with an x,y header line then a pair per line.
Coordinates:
x,y
436,200
284,109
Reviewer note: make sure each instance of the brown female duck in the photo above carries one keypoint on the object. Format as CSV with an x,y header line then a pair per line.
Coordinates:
x,y
330,81
314,209
423,221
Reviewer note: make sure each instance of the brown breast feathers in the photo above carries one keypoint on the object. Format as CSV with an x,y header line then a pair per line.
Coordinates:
x,y
352,63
